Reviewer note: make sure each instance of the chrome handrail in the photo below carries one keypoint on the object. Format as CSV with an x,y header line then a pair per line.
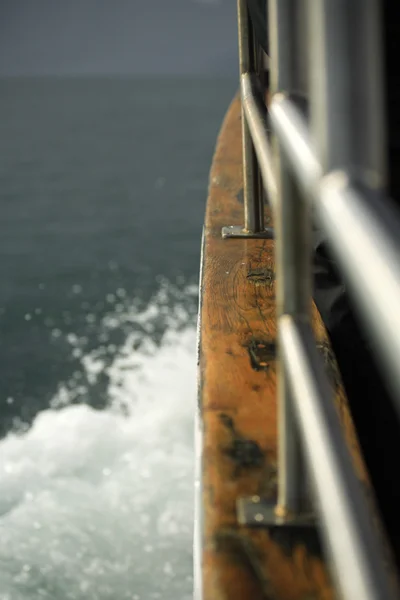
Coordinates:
x,y
333,171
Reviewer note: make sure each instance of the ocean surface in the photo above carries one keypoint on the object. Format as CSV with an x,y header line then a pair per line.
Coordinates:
x,y
102,193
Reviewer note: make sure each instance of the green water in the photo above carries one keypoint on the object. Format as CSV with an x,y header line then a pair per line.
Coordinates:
x,y
103,186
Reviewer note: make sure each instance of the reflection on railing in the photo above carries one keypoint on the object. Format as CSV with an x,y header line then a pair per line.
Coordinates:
x,y
328,165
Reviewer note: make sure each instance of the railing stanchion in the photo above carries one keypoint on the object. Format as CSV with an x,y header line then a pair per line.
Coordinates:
x,y
248,62
292,226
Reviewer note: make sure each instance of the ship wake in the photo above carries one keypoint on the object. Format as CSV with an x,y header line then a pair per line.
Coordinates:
x,y
99,503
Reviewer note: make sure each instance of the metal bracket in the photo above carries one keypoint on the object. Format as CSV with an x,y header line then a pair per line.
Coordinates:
x,y
236,231
259,512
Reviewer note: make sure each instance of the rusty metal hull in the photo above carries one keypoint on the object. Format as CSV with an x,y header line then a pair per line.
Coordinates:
x,y
237,429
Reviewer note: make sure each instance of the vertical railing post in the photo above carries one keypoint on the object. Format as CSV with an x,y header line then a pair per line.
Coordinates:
x,y
293,260
248,63
346,98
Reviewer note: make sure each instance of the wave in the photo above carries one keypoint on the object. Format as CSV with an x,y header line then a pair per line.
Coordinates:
x,y
99,503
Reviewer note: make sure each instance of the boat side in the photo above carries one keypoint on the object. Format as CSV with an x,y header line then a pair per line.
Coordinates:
x,y
237,413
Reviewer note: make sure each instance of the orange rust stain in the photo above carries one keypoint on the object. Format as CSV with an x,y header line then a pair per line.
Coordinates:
x,y
238,401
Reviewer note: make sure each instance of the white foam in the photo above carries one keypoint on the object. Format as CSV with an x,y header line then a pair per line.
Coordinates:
x,y
99,504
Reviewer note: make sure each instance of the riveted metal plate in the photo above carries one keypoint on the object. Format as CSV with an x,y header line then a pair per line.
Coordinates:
x,y
236,231
260,512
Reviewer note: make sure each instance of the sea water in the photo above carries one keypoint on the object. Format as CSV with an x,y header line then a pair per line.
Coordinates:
x,y
103,186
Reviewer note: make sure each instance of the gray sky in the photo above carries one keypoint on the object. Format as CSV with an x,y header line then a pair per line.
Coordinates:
x,y
169,37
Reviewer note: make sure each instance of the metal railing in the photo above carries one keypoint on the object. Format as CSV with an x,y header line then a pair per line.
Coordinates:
x,y
328,165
